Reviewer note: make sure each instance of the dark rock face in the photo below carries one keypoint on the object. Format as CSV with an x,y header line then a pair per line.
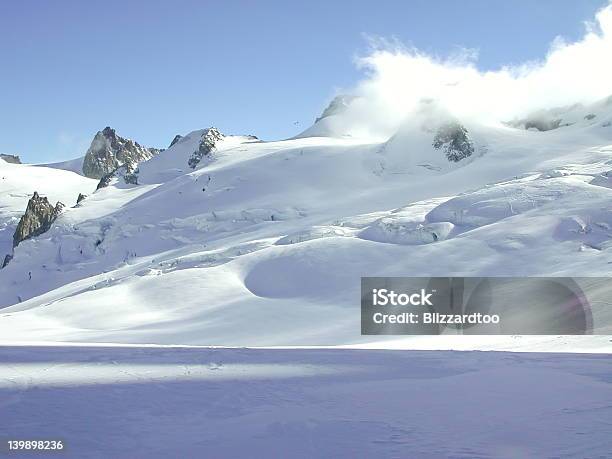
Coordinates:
x,y
126,173
454,140
38,218
13,159
547,120
542,125
108,151
337,106
208,143
106,180
80,198
176,140
7,260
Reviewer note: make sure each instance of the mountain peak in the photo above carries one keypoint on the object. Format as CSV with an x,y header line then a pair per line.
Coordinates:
x,y
13,159
109,151
338,105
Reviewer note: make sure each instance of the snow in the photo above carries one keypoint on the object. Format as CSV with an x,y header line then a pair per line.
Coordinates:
x,y
264,243
208,303
17,185
19,181
72,165
213,309
106,401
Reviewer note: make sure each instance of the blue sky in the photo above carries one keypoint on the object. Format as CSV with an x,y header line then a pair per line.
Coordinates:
x,y
153,69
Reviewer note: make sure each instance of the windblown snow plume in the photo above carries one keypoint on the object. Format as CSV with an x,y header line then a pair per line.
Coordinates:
x,y
402,81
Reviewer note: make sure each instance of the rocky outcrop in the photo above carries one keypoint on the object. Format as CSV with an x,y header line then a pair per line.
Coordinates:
x,y
7,260
550,119
176,140
541,125
38,218
454,140
109,151
80,198
208,143
13,159
337,106
128,174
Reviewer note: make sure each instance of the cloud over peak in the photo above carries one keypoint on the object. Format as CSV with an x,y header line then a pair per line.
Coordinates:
x,y
399,80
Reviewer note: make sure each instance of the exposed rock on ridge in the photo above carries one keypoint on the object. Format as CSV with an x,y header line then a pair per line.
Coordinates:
x,y
176,139
128,173
109,151
454,140
38,218
13,159
337,106
81,197
7,260
208,143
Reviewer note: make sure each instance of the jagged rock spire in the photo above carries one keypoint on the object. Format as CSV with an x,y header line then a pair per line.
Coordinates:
x,y
109,151
38,218
14,159
208,143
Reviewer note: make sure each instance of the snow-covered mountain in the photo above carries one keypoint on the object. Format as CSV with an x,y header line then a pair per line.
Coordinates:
x,y
229,240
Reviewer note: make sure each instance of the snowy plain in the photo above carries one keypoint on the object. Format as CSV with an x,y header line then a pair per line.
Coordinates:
x,y
232,403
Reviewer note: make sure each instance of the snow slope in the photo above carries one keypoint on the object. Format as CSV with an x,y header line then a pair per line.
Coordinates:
x,y
264,242
172,402
72,165
17,184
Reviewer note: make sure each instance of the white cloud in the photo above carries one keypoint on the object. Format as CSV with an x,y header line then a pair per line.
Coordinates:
x,y
398,79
